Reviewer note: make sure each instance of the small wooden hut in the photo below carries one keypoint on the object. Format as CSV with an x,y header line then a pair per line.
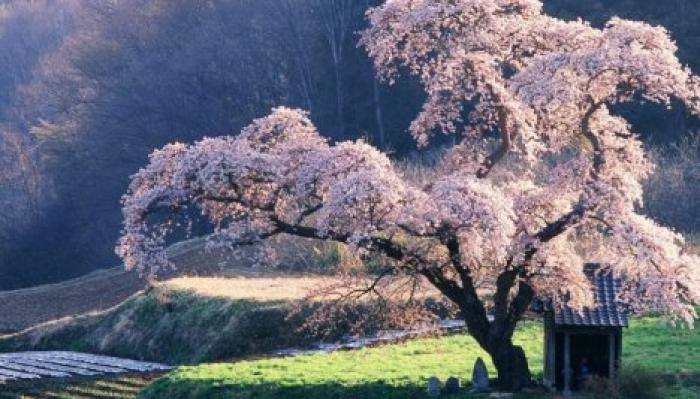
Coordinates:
x,y
589,342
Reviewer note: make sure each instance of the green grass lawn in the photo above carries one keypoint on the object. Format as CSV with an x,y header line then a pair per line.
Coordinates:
x,y
650,344
393,371
400,371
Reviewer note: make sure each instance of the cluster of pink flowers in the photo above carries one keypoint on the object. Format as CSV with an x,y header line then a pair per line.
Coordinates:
x,y
560,186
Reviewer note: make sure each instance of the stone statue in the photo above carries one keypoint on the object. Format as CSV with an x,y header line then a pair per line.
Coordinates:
x,y
434,386
480,377
452,386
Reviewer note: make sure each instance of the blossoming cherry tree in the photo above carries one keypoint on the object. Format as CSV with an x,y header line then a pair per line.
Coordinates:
x,y
545,176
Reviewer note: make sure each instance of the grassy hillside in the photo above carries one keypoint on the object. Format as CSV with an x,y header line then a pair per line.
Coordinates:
x,y
175,324
400,371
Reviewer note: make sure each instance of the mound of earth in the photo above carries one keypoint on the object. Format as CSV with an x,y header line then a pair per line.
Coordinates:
x,y
197,319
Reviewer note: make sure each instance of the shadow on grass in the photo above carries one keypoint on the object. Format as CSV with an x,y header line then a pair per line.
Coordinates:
x,y
113,387
220,389
673,386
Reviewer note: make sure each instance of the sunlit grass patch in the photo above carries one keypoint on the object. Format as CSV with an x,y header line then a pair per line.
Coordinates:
x,y
401,371
391,371
652,343
254,288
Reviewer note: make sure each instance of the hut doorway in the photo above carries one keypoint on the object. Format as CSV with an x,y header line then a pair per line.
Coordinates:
x,y
586,341
589,355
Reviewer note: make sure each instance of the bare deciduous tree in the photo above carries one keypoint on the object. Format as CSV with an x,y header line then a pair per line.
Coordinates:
x,y
337,17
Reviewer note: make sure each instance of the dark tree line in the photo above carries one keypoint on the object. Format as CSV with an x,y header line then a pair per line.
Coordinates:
x,y
88,88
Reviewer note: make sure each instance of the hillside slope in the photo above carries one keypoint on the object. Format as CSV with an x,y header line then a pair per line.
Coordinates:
x,y
99,290
174,323
194,319
103,289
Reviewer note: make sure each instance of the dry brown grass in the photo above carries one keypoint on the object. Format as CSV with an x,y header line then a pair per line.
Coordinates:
x,y
265,288
257,288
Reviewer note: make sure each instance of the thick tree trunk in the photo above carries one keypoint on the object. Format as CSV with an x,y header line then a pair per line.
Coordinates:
x,y
494,336
511,364
509,359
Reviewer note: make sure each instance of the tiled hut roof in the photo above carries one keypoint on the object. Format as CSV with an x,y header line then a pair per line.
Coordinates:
x,y
607,312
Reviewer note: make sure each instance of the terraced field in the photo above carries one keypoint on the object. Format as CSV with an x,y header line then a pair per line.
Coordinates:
x,y
42,375
62,364
109,387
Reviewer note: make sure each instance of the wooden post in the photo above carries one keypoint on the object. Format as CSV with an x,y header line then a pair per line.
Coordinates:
x,y
550,374
612,351
618,350
568,371
545,347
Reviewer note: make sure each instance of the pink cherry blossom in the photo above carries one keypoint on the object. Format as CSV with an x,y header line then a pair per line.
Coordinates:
x,y
517,214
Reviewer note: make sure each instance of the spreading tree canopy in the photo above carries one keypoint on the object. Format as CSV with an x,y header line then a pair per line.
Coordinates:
x,y
545,176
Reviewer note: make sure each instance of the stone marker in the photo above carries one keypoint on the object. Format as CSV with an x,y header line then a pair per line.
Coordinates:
x,y
434,386
480,377
452,386
501,395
